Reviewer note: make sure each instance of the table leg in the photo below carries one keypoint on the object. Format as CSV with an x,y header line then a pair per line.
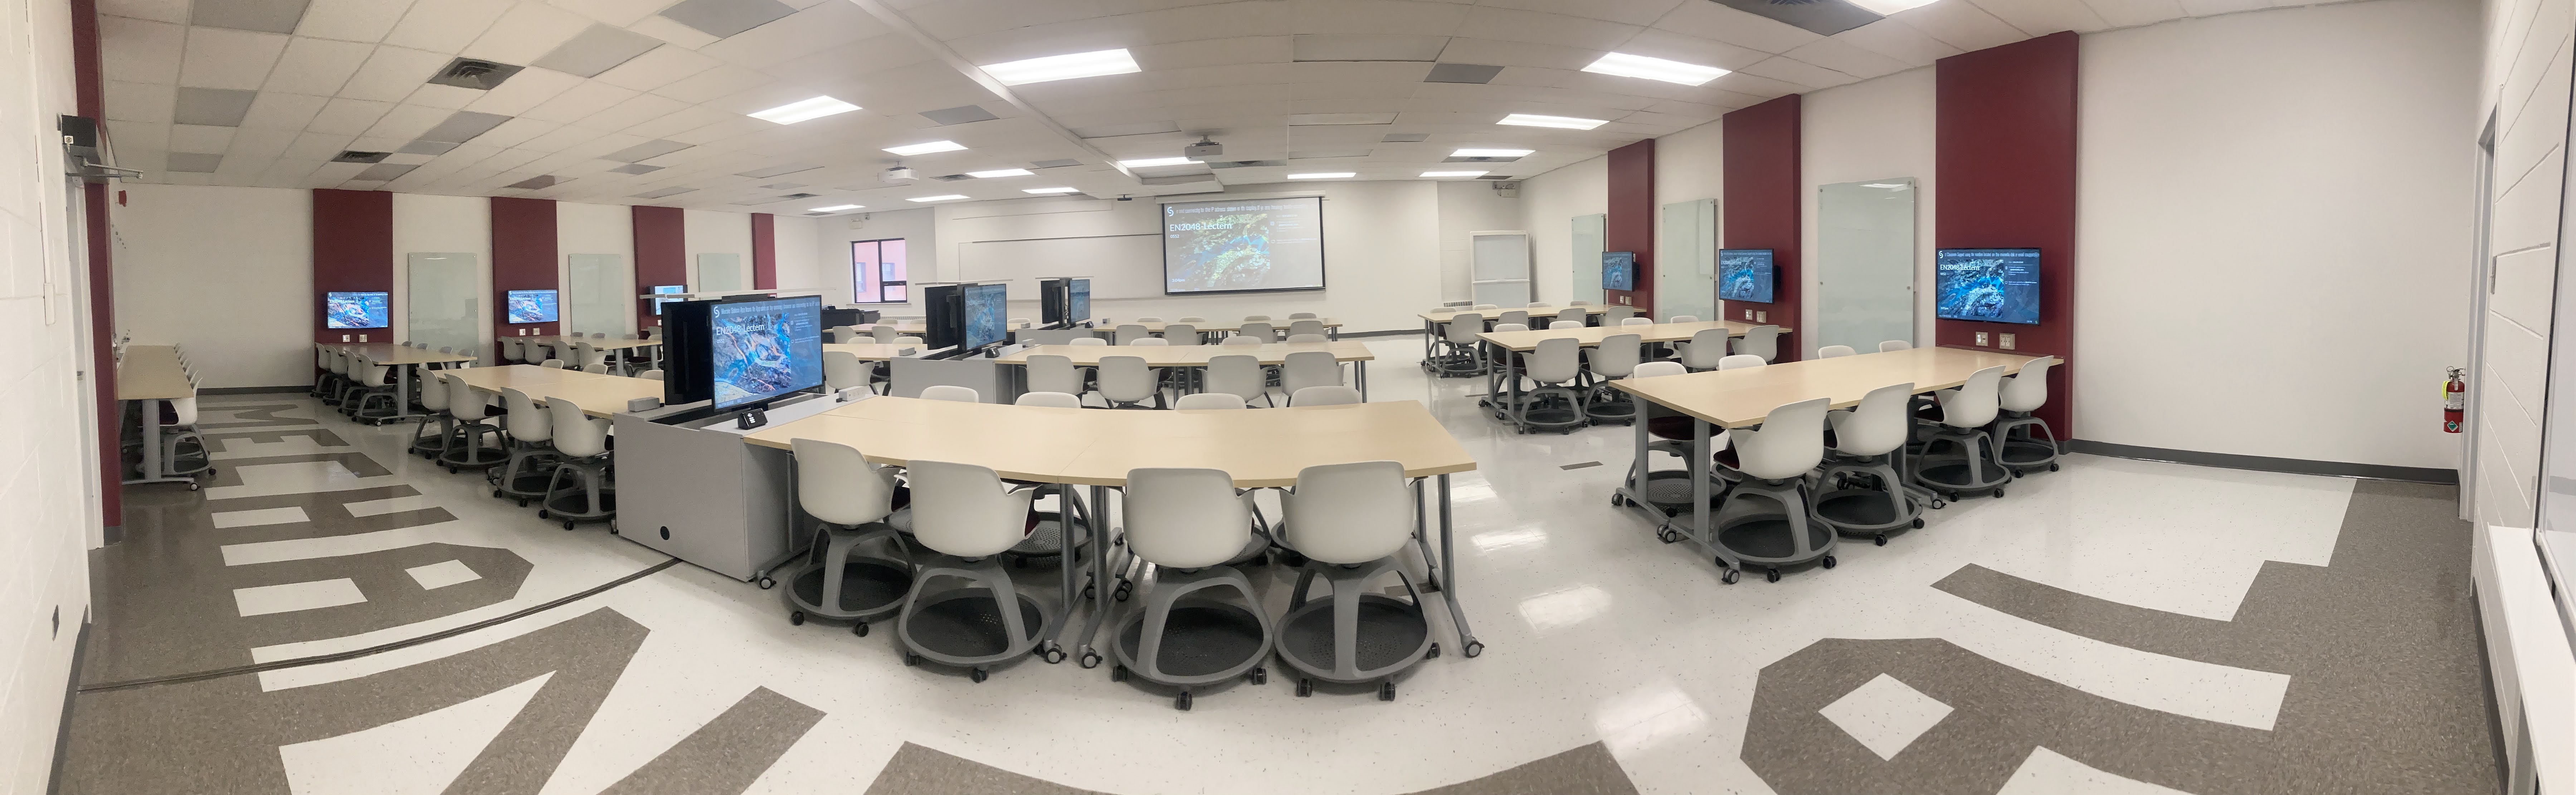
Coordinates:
x,y
1512,375
1362,367
1636,482
1065,546
1467,643
1699,474
1098,513
153,466
402,392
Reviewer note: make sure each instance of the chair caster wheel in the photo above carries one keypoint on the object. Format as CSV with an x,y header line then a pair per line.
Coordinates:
x,y
1433,654
860,629
612,528
1305,688
1730,577
1879,540
1259,675
496,494
2052,467
451,470
1124,590
192,487
1772,575
910,659
1052,653
1118,673
1386,691
1918,523
1940,504
978,675
1828,561
767,583
543,514
1089,592
568,524
1999,494
1182,702
1090,659
1475,648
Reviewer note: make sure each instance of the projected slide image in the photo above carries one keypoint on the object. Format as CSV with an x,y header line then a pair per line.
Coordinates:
x,y
1744,275
1233,246
1999,285
532,306
357,310
755,353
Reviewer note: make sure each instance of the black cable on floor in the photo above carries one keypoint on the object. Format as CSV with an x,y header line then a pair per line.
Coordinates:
x,y
381,648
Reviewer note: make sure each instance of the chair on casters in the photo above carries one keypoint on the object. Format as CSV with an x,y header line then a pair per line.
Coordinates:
x,y
1515,316
1332,395
552,364
1088,341
967,515
1576,315
532,451
1459,355
956,394
467,450
851,498
376,388
843,370
1301,315
580,490
883,333
1181,334
1049,372
1667,492
1772,464
2020,395
1208,400
1058,400
1307,325
1617,314
1740,361
1833,351
1707,347
1129,333
1259,329
183,448
1125,381
1763,341
1188,523
1235,374
1970,465
1556,362
1309,368
654,374
1615,358
1862,488
1350,521
1894,345
433,401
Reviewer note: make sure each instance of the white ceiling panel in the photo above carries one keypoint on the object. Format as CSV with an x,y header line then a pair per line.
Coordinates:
x,y
150,103
1686,48
140,50
1902,42
1531,26
318,146
317,67
635,110
659,67
961,18
664,28
1715,22
1391,17
722,81
392,73
348,117
352,20
1798,73
443,97
2043,17
1961,25
274,110
565,137
796,35
1630,12
407,122
175,11
2214,7
527,89
2131,13
1848,58
579,102
223,58
139,137
525,33
260,143
615,12
446,25
195,138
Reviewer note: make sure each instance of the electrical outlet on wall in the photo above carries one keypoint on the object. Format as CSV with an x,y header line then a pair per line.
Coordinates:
x,y
2004,341
344,338
362,338
1748,314
1981,339
1761,317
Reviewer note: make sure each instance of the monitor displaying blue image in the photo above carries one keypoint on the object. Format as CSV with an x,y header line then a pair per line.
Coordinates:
x,y
763,349
1995,285
1618,270
1744,274
986,317
666,289
357,310
532,306
1078,307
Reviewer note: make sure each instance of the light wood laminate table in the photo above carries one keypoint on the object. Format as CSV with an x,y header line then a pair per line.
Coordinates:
x,y
598,395
1502,373
1432,321
405,361
1743,398
873,352
1162,356
564,343
152,374
1260,448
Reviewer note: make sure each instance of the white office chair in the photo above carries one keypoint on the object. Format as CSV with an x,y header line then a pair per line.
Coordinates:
x,y
2016,399
1772,464
1637,321
1865,491
1181,334
852,499
1057,400
1969,464
1125,382
957,394
1458,355
1188,523
1238,375
1191,319
375,388
1149,319
1208,400
1242,340
433,401
1894,345
1561,325
1350,522
1088,341
842,370
1301,315
1303,369
183,447
1741,361
884,333
555,364
469,409
1556,362
513,351
1324,396
1618,315
1682,319
1668,432
846,334
1308,325
532,451
655,374
1707,347
1130,333
1259,330
1256,317
1763,341
595,368
1485,307
1615,358
1831,351
1150,342
1517,317
970,517
1308,338
1576,315
1048,372
580,490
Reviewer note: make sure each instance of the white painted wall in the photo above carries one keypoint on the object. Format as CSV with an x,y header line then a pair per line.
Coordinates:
x,y
1873,129
917,227
439,224
46,477
2272,214
1468,206
1549,204
800,253
2524,82
227,272
712,232
596,229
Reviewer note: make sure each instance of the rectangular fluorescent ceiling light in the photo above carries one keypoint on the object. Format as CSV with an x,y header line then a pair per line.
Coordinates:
x,y
1052,190
1326,175
1560,122
1490,153
948,197
807,110
934,146
1157,161
1063,67
1689,74
835,208
1453,173
1006,172
1890,7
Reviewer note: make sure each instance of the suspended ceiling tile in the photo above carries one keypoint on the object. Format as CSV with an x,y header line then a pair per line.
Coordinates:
x,y
1365,47
1530,26
596,49
140,50
1902,42
348,116
212,106
192,162
725,18
804,33
317,67
318,146
961,18
457,127
1627,12
614,12
558,140
446,26
523,91
2043,17
1800,73
1394,17
221,58
392,73
580,102
1848,58
172,11
2216,7
656,68
260,143
269,16
1709,20
722,81
1668,45
406,122
635,110
526,33
283,111
352,20
661,27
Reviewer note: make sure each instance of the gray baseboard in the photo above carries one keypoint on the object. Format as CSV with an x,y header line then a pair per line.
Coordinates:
x,y
254,390
71,693
2301,466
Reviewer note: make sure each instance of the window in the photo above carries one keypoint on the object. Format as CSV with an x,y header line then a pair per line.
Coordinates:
x,y
876,272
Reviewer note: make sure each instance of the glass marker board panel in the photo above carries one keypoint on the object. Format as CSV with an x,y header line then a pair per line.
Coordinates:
x,y
721,273
1686,260
1864,264
1587,257
441,306
599,297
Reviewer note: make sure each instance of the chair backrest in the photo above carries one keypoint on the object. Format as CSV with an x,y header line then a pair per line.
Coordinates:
x,y
1181,334
595,368
1190,319
1655,369
1879,424
1126,379
1791,441
1556,361
1149,319
1052,373
1831,351
1560,325
513,350
1539,304
526,422
1152,342
1088,341
1301,315
836,484
2028,390
964,510
1617,355
462,400
908,341
1258,329
1740,361
1574,313
1129,333
842,370
1256,317
1235,374
1463,328
1349,514
1185,518
1682,319
1617,314
1974,403
433,391
1520,316
884,333
1209,400
1329,395
1306,326
655,374
1309,368
1707,347
1503,327
1060,400
552,363
372,374
1763,341
1894,345
845,334
1486,306
576,433
961,394
1302,338
1245,341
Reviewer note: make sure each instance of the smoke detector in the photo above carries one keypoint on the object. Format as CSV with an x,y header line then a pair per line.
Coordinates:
x,y
896,176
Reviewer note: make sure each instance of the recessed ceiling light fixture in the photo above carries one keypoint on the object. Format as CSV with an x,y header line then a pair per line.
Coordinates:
x,y
1490,153
1890,7
1052,190
807,110
923,149
835,208
1560,122
1002,172
1063,67
1689,74
1157,161
949,197
1326,175
1453,173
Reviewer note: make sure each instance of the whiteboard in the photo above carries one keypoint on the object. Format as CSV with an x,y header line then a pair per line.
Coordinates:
x,y
1119,266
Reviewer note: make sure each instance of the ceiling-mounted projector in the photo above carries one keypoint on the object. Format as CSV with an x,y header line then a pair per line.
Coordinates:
x,y
1204,148
896,175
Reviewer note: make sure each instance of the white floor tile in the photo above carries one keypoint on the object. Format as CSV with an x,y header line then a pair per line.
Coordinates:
x,y
1885,715
294,596
394,505
2048,772
232,519
440,575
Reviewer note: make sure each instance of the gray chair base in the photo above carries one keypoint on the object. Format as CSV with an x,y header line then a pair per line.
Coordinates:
x,y
1199,642
465,449
1968,466
1539,412
431,447
590,498
1751,537
838,583
2028,451
1604,406
1354,636
376,405
1865,511
529,473
966,626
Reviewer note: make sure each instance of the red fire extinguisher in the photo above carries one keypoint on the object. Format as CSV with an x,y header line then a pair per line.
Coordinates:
x,y
2454,400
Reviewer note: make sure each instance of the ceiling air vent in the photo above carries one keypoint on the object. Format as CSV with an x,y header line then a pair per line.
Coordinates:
x,y
798,196
361,157
475,74
951,177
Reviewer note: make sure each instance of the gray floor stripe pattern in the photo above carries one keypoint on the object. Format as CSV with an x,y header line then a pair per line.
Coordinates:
x,y
916,770
728,753
2386,691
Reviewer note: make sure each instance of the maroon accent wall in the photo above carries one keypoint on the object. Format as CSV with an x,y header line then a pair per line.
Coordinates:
x,y
764,251
1764,195
523,258
89,103
2004,151
1630,223
353,251
661,256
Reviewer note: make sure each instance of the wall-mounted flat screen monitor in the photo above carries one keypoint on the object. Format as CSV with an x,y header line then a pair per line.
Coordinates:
x,y
1618,270
1078,302
532,306
986,315
1744,274
357,310
1995,285
762,349
666,289
1243,246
